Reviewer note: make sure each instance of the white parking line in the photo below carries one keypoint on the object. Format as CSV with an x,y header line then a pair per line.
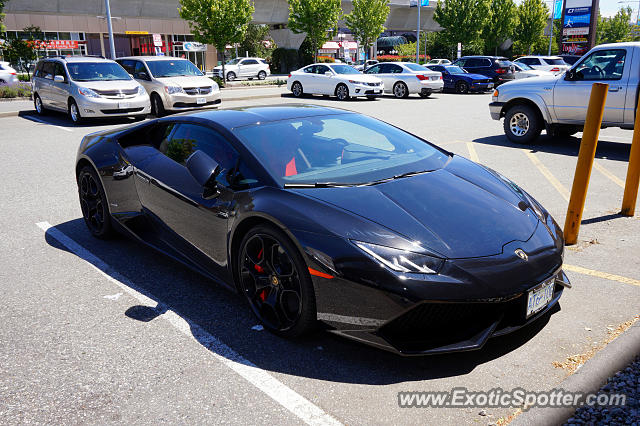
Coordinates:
x,y
48,124
276,390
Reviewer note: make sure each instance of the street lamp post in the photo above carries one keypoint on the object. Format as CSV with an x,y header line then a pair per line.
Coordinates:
x,y
112,45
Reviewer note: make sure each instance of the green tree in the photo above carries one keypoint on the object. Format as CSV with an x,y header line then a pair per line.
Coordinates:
x,y
256,40
217,22
462,21
500,24
317,18
2,27
23,51
366,20
614,29
532,20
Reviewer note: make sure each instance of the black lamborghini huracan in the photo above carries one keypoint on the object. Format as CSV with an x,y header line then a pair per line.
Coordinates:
x,y
319,215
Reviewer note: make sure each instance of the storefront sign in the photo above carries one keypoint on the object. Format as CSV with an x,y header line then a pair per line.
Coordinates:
x,y
157,40
192,46
136,32
578,26
60,44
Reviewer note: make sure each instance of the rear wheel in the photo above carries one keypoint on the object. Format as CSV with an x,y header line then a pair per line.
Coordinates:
x,y
93,203
296,89
342,92
262,75
276,283
400,90
522,124
74,112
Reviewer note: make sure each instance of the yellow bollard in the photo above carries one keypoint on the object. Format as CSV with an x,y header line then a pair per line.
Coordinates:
x,y
633,172
586,156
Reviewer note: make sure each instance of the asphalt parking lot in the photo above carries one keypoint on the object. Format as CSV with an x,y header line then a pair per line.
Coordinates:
x,y
108,331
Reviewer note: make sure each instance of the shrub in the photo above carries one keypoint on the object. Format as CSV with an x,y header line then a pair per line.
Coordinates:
x,y
21,90
326,59
23,77
218,80
403,58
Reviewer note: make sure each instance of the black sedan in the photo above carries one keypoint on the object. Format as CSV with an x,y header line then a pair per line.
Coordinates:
x,y
319,215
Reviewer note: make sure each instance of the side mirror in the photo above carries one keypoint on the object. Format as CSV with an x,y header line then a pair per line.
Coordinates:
x,y
204,170
142,76
58,79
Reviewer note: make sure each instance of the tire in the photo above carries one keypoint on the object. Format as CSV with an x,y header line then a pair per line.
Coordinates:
x,y
275,282
342,92
296,89
371,97
74,112
400,90
231,76
37,105
93,202
157,107
522,124
425,94
462,87
262,75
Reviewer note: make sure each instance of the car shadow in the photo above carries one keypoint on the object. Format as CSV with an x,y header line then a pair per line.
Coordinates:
x,y
223,314
569,146
60,119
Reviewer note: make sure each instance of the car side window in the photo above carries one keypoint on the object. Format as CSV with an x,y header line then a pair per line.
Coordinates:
x,y
127,64
310,70
386,69
461,62
59,70
395,69
250,62
603,65
187,138
47,70
38,71
138,69
373,70
472,63
321,69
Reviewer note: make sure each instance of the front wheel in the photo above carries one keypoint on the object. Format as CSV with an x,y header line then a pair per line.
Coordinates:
x,y
400,90
157,107
276,283
342,92
296,89
93,203
231,76
522,124
262,75
462,87
37,104
74,112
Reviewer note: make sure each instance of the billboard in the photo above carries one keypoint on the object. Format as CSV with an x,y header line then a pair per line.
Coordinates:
x,y
578,26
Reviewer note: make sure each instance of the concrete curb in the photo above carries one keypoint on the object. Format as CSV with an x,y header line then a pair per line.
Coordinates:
x,y
234,99
614,357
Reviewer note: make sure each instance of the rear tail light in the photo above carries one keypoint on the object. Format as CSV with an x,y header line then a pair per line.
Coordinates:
x,y
440,76
13,73
422,77
501,70
289,75
556,69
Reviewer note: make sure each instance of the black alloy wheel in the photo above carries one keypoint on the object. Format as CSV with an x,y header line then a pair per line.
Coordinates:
x,y
93,203
275,282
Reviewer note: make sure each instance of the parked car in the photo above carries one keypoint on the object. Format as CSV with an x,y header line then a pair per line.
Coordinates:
x,y
320,214
525,71
559,103
405,78
248,68
87,87
554,64
570,59
340,80
173,84
8,75
498,68
439,62
461,81
366,64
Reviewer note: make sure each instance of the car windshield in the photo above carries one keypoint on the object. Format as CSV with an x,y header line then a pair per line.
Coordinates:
x,y
344,69
338,149
172,68
454,69
556,61
416,67
233,61
96,71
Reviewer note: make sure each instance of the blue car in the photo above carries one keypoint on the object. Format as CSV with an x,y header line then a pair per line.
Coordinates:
x,y
459,80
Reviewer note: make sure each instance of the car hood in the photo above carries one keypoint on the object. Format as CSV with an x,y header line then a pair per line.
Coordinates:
x,y
191,81
460,211
364,78
108,85
537,82
471,76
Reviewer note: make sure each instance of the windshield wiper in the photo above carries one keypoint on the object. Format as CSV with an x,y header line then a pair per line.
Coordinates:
x,y
319,185
400,176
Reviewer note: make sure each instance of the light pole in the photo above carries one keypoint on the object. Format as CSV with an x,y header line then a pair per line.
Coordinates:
x,y
112,45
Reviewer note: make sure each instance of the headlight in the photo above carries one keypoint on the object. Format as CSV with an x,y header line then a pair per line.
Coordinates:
x,y
401,260
214,87
87,92
141,91
355,82
170,90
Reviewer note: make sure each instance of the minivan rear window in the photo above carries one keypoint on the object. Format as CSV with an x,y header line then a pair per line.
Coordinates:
x,y
555,61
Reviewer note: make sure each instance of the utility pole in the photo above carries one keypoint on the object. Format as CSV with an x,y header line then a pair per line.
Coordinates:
x,y
112,45
419,4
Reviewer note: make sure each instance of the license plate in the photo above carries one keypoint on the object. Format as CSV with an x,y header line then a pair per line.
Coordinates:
x,y
200,101
490,85
434,78
124,105
540,297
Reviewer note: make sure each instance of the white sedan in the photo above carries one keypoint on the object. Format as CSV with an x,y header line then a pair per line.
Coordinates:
x,y
554,64
8,75
525,71
404,78
340,80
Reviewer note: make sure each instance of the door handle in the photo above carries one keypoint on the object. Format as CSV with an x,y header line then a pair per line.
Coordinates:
x,y
614,89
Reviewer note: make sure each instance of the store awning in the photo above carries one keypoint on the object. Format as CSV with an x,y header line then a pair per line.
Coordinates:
x,y
391,41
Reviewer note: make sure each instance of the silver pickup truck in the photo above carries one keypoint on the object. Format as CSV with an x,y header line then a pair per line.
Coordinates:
x,y
559,103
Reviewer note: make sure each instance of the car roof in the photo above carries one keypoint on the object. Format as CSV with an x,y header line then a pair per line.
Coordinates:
x,y
541,56
246,116
75,59
152,58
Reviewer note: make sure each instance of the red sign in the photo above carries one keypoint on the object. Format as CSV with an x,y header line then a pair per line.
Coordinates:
x,y
60,44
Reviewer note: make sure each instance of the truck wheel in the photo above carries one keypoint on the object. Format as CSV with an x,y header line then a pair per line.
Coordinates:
x,y
522,124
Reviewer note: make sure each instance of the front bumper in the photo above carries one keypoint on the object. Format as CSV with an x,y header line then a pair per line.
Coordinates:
x,y
182,101
495,109
481,87
366,90
104,107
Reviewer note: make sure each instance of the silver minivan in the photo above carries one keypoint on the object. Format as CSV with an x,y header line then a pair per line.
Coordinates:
x,y
87,87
